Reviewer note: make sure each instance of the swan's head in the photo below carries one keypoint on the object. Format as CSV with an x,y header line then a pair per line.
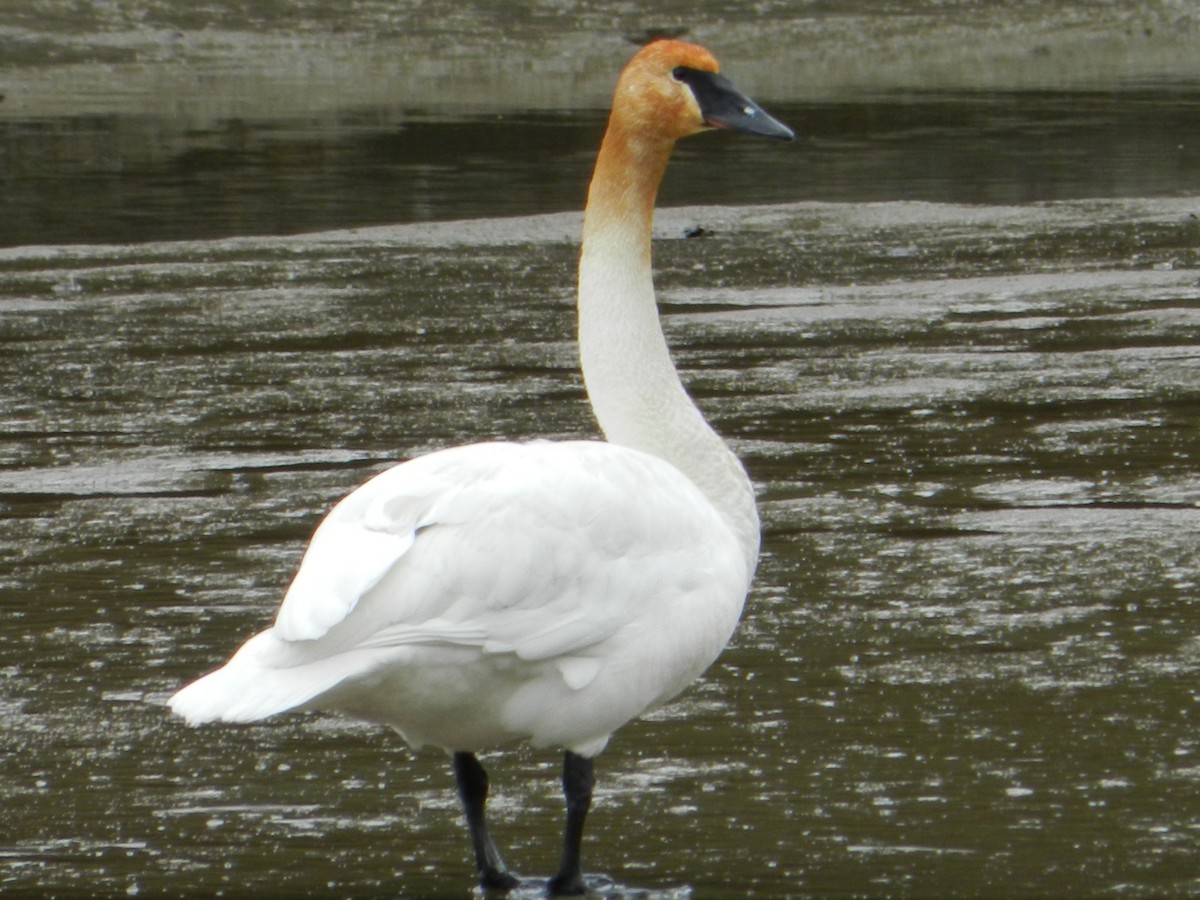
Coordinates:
x,y
672,89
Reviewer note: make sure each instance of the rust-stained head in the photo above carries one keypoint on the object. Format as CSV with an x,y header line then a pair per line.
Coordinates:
x,y
651,101
671,89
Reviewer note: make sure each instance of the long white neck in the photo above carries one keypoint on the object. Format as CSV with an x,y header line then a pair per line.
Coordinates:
x,y
633,386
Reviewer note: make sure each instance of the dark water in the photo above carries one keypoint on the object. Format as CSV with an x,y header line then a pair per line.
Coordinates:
x,y
969,665
131,178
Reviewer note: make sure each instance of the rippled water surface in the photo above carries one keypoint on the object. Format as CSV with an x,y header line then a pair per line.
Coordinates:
x,y
969,664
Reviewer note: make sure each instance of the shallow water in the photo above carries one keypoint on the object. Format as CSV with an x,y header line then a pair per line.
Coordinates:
x,y
969,661
965,383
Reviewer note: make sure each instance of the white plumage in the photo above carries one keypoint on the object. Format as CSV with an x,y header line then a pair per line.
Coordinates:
x,y
541,592
497,592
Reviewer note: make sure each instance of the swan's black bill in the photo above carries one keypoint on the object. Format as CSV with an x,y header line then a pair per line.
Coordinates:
x,y
724,106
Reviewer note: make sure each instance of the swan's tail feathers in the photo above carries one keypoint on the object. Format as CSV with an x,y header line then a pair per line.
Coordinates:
x,y
257,683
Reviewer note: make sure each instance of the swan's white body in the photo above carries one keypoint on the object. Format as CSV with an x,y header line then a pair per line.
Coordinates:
x,y
497,592
546,592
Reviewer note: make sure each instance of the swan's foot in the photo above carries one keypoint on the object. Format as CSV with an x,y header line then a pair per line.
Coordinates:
x,y
497,881
578,780
494,877
566,886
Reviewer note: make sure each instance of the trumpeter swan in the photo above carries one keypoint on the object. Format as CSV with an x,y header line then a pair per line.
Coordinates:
x,y
541,592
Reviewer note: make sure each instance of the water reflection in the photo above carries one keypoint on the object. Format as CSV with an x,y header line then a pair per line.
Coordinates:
x,y
123,178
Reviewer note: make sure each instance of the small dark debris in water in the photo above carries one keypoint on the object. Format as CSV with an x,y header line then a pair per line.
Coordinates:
x,y
649,35
696,231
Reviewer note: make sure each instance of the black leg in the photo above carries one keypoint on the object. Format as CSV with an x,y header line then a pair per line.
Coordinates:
x,y
578,780
473,791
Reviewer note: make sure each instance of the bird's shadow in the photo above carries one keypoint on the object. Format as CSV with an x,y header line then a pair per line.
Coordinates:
x,y
599,887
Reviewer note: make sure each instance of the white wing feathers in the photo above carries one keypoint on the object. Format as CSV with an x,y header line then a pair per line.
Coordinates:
x,y
531,549
510,547
322,595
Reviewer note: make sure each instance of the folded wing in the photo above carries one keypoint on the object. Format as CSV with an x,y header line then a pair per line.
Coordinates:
x,y
565,554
